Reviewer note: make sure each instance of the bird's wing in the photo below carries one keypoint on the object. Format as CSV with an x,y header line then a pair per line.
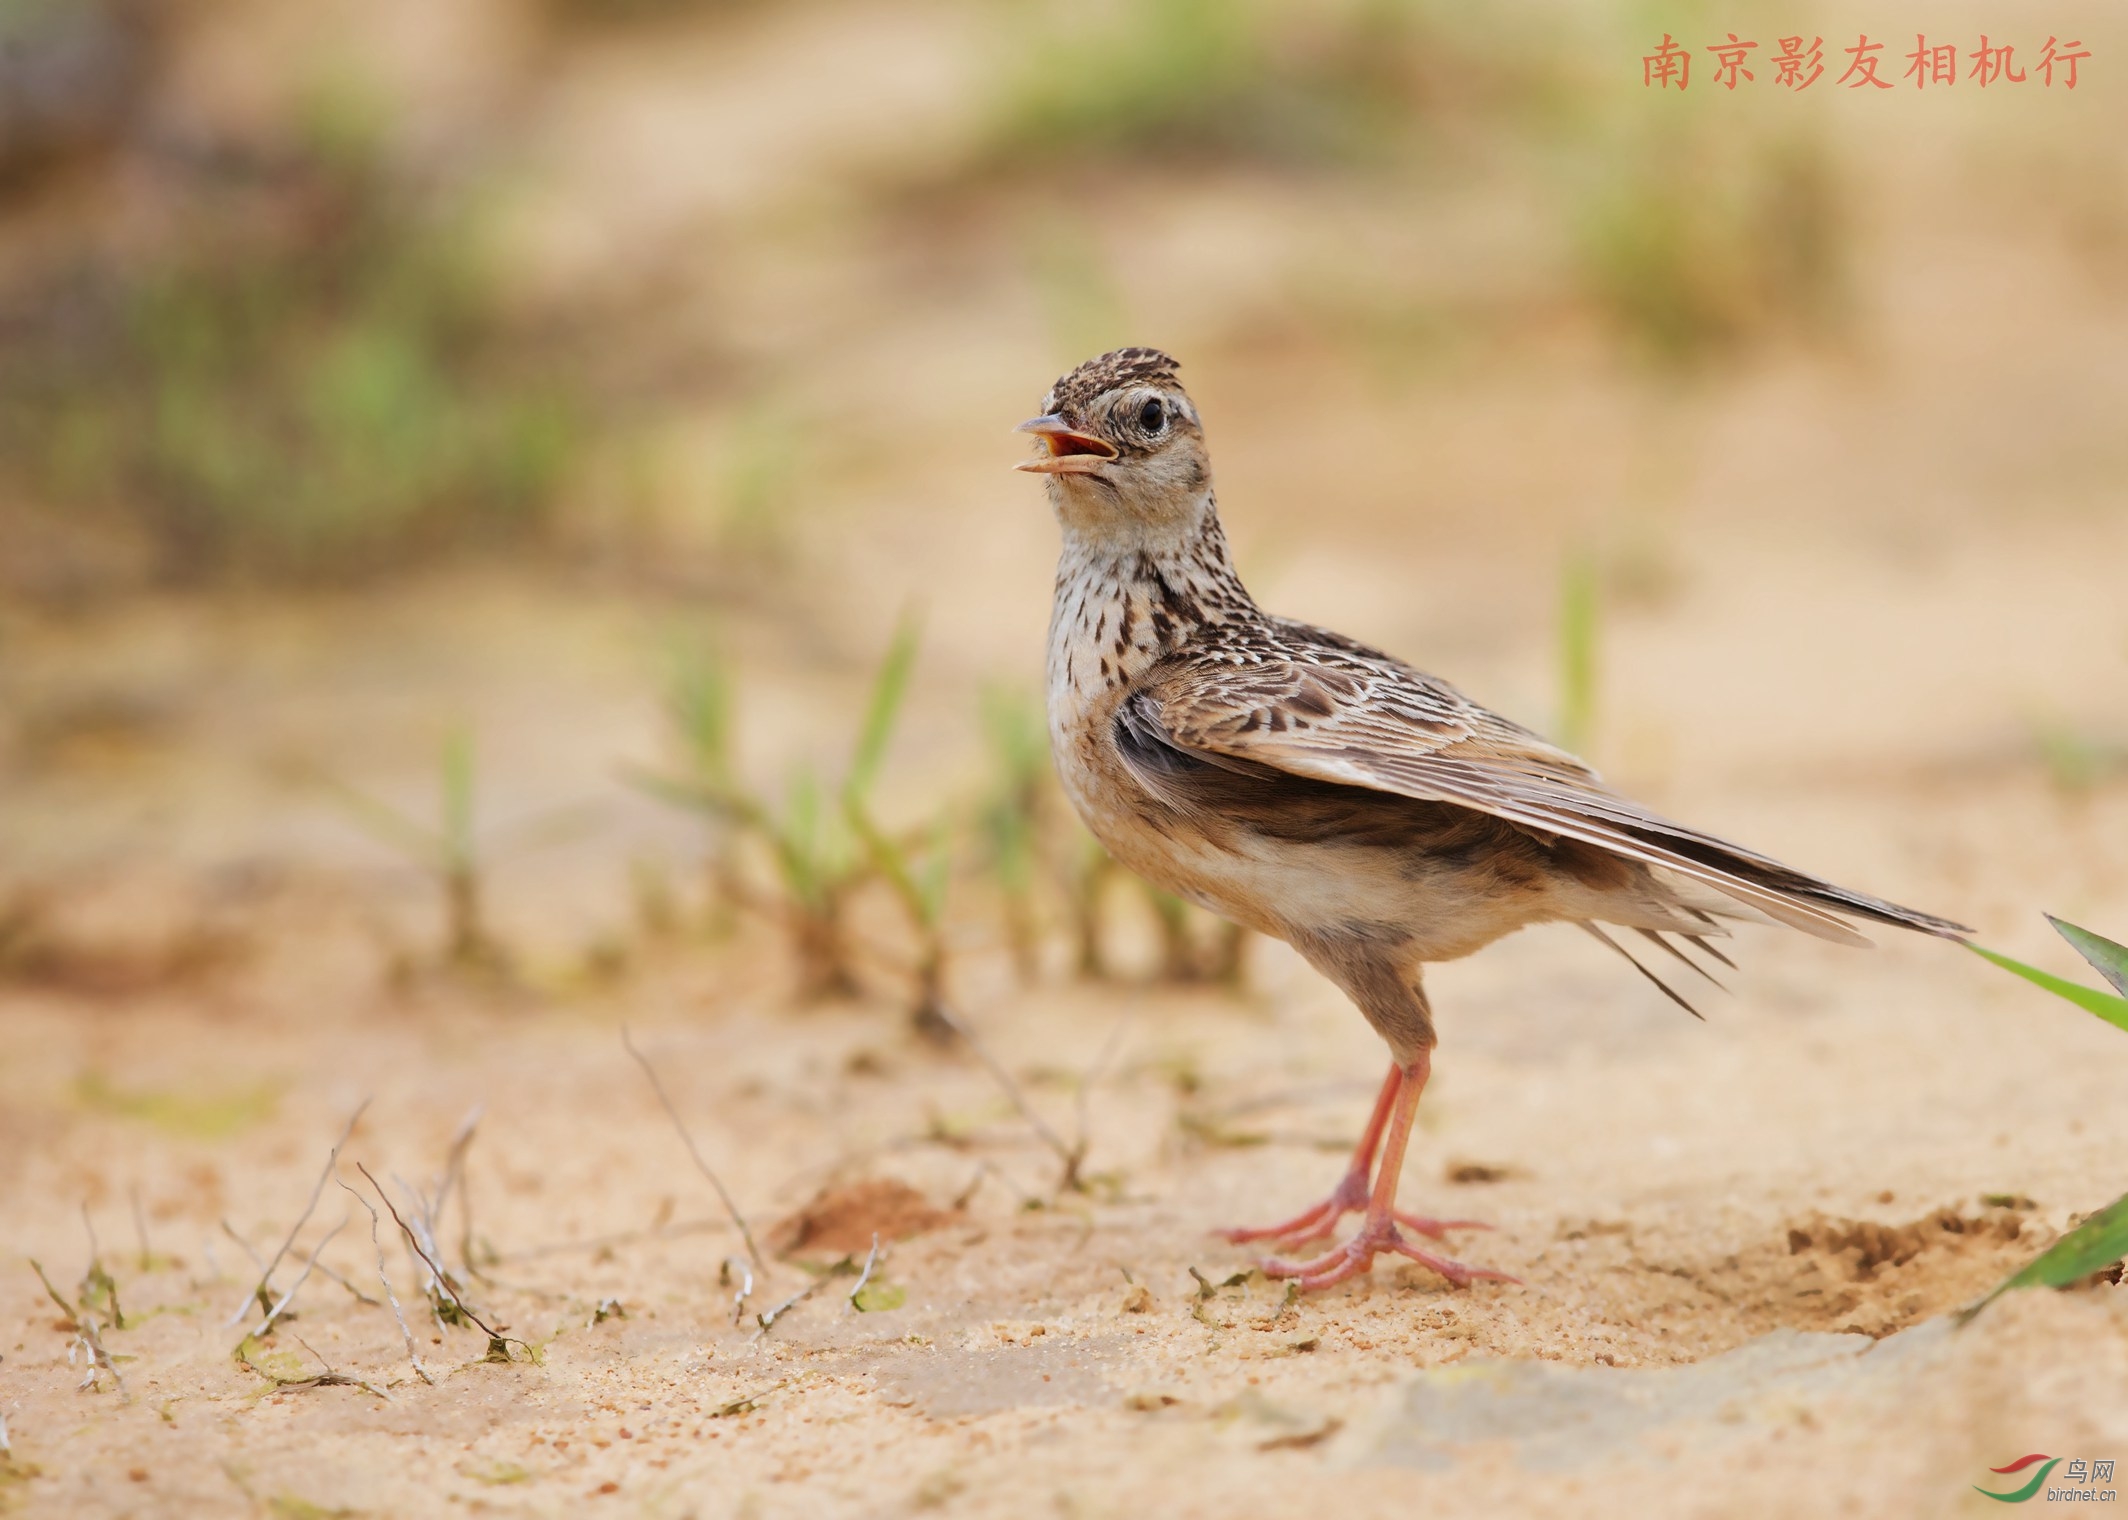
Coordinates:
x,y
1330,710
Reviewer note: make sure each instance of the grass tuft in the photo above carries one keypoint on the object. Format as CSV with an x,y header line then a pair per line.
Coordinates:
x,y
2099,1243
819,854
310,379
1265,80
449,850
1696,238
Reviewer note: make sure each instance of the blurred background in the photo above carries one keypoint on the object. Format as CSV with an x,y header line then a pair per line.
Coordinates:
x,y
464,463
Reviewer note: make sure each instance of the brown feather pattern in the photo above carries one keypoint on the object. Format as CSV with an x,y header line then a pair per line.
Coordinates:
x,y
1315,706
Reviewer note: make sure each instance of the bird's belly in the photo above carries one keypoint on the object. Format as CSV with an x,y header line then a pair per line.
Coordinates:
x,y
1296,890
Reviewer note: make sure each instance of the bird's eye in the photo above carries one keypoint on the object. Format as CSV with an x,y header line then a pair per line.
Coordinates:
x,y
1152,416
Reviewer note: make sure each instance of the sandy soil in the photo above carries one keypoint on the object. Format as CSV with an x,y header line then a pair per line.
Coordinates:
x,y
1667,1192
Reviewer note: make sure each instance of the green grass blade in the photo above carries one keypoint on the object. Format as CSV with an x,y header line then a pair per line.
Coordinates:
x,y
387,823
1578,616
2097,1243
937,875
2109,959
458,796
887,694
797,842
2113,1010
700,702
1018,732
1019,748
700,796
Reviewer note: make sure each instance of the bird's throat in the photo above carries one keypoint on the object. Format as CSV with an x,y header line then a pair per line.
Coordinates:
x,y
1122,608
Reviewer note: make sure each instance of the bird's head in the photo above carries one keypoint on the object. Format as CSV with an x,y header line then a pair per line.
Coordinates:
x,y
1122,447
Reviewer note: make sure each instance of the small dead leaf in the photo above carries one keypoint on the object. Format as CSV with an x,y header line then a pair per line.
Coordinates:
x,y
1303,1439
841,1220
1472,1173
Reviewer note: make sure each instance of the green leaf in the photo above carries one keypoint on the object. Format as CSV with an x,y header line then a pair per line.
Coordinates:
x,y
388,824
2097,1243
2112,1009
799,854
878,1297
2110,960
887,694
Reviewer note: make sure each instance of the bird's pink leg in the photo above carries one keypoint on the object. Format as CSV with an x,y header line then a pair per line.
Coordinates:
x,y
1379,1232
1351,1190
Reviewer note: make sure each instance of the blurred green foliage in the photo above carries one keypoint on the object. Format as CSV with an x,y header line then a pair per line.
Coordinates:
x,y
305,379
1580,620
1692,225
1015,815
767,448
449,851
1082,300
1696,234
1260,78
820,854
303,369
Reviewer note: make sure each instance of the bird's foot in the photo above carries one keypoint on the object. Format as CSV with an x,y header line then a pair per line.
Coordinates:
x,y
1356,1255
1349,1197
1309,1224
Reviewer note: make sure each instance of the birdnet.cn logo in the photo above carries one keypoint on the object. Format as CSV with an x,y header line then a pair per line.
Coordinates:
x,y
2081,1481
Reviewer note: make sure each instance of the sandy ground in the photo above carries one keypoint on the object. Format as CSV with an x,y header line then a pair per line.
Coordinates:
x,y
1699,1328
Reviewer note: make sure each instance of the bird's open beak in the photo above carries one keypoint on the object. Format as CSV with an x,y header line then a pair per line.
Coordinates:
x,y
1070,452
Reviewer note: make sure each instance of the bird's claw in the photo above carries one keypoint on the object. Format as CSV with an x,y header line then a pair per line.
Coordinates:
x,y
1357,1255
1309,1224
1349,1197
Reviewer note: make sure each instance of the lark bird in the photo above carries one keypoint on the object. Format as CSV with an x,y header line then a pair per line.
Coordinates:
x,y
1323,792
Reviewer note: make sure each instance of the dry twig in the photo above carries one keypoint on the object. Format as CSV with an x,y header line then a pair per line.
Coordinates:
x,y
1094,1074
323,1270
453,1177
263,1292
746,1285
748,1403
86,1333
95,1280
329,1378
274,1312
731,1208
498,1343
767,1319
1071,1155
384,1278
871,1260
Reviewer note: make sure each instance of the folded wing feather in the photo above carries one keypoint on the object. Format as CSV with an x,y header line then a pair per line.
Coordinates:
x,y
1328,709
